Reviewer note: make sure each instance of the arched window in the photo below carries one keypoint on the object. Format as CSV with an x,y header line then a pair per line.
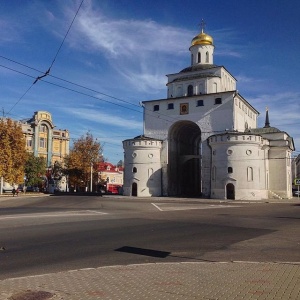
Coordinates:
x,y
192,59
207,57
134,170
215,87
199,57
150,172
250,174
230,170
190,90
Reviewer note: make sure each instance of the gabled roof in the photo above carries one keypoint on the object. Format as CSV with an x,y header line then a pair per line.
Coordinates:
x,y
108,167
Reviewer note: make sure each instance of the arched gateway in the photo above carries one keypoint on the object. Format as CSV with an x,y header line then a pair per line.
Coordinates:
x,y
184,165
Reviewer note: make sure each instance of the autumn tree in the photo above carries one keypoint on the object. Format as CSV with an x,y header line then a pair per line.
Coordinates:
x,y
35,169
86,152
12,151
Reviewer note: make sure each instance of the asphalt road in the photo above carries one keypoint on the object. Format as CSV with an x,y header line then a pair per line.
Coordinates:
x,y
56,233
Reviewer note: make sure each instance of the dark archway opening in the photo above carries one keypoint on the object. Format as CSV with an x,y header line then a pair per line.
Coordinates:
x,y
230,191
184,160
134,189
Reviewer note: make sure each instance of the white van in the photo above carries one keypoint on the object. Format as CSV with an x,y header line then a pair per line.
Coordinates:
x,y
7,187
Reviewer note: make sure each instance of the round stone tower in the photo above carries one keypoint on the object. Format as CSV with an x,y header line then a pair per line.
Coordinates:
x,y
142,169
240,168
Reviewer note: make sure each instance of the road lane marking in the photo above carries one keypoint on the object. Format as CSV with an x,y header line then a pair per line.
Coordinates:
x,y
156,206
181,206
58,214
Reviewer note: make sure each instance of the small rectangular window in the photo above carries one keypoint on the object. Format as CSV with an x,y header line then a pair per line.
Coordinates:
x,y
156,107
200,103
218,101
230,170
170,105
29,143
42,143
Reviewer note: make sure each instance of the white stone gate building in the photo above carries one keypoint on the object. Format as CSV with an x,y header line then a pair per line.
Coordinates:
x,y
203,140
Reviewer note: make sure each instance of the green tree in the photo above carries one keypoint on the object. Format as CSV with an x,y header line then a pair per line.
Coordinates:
x,y
35,169
86,151
12,151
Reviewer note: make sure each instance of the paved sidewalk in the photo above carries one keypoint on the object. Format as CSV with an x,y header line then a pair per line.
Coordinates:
x,y
182,281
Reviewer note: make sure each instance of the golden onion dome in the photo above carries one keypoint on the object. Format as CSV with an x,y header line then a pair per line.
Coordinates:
x,y
202,39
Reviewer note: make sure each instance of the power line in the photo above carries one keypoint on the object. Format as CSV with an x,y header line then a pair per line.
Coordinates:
x,y
170,119
159,114
48,71
66,34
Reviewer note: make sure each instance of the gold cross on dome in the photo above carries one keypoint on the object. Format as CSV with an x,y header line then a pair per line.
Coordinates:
x,y
202,24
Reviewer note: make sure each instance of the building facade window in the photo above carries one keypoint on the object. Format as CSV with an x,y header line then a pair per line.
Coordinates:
x,y
190,90
207,57
156,107
199,57
43,143
200,103
170,105
150,172
250,174
43,128
230,170
218,101
134,170
29,142
215,87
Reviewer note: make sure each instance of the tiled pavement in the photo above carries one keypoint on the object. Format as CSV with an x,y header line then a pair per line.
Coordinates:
x,y
182,281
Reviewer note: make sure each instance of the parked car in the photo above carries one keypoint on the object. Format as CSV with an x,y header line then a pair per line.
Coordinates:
x,y
32,189
296,193
20,188
7,188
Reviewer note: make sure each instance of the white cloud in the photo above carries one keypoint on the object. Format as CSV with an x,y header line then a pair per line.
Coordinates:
x,y
128,37
283,110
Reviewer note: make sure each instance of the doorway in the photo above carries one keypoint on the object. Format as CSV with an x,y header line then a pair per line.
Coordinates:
x,y
184,163
230,192
134,189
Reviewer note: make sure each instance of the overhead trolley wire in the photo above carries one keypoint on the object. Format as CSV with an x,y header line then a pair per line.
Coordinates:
x,y
48,71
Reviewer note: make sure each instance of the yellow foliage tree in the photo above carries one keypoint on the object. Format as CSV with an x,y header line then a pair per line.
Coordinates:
x,y
86,151
12,151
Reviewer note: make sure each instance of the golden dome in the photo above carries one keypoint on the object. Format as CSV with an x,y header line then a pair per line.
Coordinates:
x,y
202,39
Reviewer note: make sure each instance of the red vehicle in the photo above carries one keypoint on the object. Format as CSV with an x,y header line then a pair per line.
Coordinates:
x,y
113,188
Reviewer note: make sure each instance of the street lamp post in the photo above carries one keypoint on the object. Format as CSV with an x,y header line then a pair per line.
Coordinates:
x,y
91,187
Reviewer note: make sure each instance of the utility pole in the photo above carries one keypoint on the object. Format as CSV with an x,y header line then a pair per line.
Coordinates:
x,y
91,187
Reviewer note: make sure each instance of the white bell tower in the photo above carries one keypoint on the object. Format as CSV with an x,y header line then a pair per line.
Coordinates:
x,y
202,48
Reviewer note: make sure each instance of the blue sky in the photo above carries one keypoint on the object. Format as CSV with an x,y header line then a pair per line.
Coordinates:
x,y
118,53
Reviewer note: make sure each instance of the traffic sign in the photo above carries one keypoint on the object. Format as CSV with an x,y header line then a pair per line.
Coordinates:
x,y
297,181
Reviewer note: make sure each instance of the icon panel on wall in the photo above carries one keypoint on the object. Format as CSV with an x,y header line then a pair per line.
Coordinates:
x,y
184,108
